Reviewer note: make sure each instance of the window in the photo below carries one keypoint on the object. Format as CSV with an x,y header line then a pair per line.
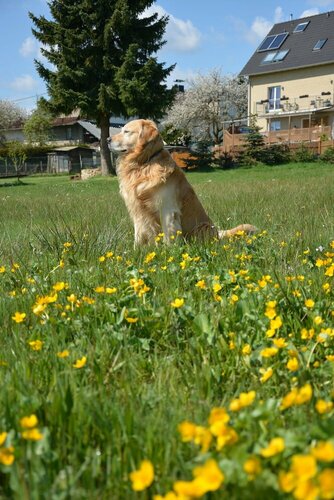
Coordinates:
x,y
320,44
272,42
68,133
274,56
275,125
274,98
301,27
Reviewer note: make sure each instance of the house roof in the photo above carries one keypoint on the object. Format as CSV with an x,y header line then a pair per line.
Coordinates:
x,y
95,131
299,45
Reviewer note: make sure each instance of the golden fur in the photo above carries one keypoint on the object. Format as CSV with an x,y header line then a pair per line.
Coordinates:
x,y
156,192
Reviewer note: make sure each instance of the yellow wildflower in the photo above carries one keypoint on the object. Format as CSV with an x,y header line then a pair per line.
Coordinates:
x,y
32,434
60,285
131,320
266,374
143,477
326,483
177,303
323,406
29,422
287,481
323,451
268,352
3,437
80,362
293,364
304,467
252,467
63,354
19,317
36,345
309,303
218,415
246,349
149,257
275,446
7,455
2,269
187,431
201,284
216,287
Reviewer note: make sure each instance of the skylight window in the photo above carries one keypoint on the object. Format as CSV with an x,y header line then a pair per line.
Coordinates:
x,y
272,42
301,27
320,44
274,57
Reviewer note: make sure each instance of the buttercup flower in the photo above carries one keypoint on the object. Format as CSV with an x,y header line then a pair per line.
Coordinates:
x,y
80,362
177,303
276,445
143,477
19,317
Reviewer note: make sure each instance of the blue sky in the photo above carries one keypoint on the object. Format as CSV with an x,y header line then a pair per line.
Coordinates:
x,y
200,36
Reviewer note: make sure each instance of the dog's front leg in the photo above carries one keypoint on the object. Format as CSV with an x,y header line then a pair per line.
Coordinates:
x,y
170,223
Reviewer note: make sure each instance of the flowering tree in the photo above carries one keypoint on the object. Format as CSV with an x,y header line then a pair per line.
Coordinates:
x,y
11,115
210,102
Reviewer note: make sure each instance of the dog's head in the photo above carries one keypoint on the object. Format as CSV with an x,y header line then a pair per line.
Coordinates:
x,y
139,139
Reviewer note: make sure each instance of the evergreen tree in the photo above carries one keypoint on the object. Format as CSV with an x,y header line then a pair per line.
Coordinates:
x,y
101,55
254,141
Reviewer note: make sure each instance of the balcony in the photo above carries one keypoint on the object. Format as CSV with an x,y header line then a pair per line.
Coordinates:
x,y
286,106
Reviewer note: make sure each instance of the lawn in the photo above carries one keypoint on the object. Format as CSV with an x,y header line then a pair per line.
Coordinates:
x,y
212,364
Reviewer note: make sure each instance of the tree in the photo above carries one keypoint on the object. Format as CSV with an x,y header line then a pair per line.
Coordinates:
x,y
209,101
17,155
101,52
37,127
11,116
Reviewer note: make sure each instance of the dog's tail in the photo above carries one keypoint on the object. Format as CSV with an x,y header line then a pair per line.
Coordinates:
x,y
243,228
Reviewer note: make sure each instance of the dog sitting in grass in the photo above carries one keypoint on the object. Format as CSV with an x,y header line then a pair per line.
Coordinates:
x,y
156,192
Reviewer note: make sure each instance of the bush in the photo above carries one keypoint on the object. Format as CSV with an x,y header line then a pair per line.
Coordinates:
x,y
276,154
224,161
328,155
304,154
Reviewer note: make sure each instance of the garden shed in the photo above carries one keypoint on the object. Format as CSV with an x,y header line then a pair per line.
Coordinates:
x,y
70,159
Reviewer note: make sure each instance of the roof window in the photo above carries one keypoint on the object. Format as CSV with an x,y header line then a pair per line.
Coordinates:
x,y
320,44
276,56
272,42
301,27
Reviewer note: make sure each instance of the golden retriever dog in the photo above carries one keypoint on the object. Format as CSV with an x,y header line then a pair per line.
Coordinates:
x,y
156,192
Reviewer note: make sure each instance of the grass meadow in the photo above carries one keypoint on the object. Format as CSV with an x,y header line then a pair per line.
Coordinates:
x,y
168,372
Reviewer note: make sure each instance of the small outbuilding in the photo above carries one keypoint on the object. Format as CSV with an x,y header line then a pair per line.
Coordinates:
x,y
71,159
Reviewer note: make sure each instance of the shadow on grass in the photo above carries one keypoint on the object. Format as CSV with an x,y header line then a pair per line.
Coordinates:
x,y
16,183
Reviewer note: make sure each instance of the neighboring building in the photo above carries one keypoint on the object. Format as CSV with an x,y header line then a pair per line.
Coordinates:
x,y
291,80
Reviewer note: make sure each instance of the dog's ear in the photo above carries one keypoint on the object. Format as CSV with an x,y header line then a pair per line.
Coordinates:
x,y
149,132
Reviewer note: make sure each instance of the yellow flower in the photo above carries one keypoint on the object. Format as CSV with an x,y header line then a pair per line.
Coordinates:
x,y
304,467
67,244
102,258
32,434
323,406
2,269
326,483
275,323
80,362
218,415
287,481
216,287
266,374
36,345
177,303
19,317
323,451
268,352
3,437
29,422
63,354
149,257
131,320
203,438
72,298
143,477
201,284
111,290
280,343
306,490
60,285
276,445
99,289
309,303
39,308
252,466
304,394
7,455
293,364
187,431
234,298
246,349
245,399
208,476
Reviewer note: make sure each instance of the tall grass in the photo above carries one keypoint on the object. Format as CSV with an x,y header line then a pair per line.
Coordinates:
x,y
141,379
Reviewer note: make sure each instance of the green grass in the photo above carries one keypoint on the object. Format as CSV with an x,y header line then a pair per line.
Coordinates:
x,y
142,379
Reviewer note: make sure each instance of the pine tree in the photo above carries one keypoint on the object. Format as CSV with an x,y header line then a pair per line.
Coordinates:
x,y
101,55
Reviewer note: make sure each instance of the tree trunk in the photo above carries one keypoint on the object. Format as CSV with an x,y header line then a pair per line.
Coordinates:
x,y
106,164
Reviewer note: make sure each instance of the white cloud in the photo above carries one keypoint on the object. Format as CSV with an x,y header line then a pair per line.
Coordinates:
x,y
181,35
310,12
24,83
29,47
279,15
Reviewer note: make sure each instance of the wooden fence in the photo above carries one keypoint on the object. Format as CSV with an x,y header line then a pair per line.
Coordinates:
x,y
315,138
